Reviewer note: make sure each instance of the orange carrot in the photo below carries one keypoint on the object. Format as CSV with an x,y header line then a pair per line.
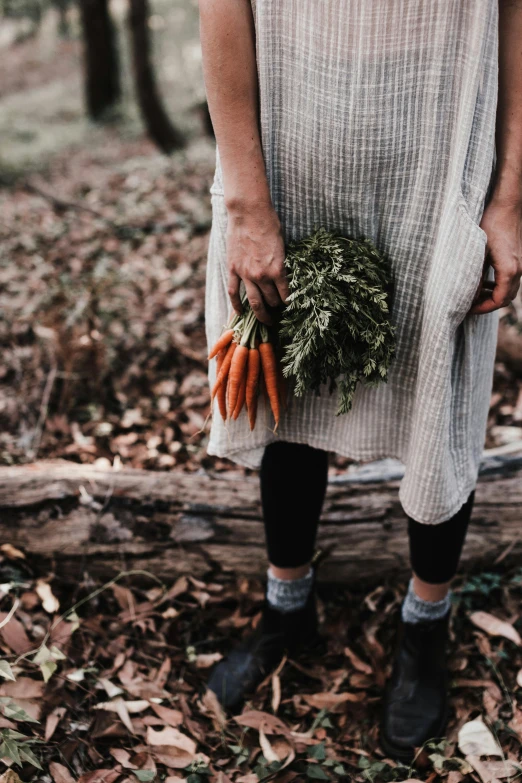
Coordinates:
x,y
269,364
221,392
235,376
262,385
225,367
252,412
251,385
223,341
222,401
226,393
240,397
282,385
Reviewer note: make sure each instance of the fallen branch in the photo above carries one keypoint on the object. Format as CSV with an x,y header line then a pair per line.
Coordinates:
x,y
121,229
102,520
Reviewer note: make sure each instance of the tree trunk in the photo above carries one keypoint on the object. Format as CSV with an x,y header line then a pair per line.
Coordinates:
x,y
78,518
102,72
62,6
157,122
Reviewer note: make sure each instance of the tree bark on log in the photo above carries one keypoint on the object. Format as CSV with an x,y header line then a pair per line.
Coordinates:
x,y
157,122
102,70
80,518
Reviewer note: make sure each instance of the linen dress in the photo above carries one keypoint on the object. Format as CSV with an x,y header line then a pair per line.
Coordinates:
x,y
377,119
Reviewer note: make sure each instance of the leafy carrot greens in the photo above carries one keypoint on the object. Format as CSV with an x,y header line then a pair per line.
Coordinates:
x,y
335,328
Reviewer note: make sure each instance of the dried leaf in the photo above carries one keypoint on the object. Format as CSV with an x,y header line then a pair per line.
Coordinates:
x,y
6,672
357,663
14,635
516,722
329,701
492,771
495,627
53,719
110,689
168,715
475,739
23,688
49,601
204,660
130,706
255,718
10,777
269,754
122,756
100,776
12,552
60,773
171,737
212,704
276,692
120,707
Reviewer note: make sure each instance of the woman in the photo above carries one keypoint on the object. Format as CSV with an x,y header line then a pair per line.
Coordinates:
x,y
400,121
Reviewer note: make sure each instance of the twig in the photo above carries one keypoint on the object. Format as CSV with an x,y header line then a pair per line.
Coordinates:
x,y
63,204
11,612
507,551
44,407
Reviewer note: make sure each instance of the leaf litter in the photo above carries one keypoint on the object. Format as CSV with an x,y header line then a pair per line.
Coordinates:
x,y
141,703
103,359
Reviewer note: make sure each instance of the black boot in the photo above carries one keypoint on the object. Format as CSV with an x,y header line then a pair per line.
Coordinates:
x,y
277,633
416,699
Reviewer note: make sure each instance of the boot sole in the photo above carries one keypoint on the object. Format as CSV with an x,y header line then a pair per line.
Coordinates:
x,y
314,646
399,752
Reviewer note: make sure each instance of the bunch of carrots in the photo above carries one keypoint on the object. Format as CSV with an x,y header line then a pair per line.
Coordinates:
x,y
246,365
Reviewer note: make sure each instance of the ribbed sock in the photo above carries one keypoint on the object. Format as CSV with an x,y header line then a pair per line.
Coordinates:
x,y
288,595
417,610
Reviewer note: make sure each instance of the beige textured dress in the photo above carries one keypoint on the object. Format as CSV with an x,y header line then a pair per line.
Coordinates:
x,y
378,119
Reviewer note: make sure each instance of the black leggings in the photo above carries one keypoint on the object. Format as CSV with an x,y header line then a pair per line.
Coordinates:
x,y
293,485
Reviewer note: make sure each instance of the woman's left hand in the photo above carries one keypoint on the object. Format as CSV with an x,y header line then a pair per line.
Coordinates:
x,y
502,222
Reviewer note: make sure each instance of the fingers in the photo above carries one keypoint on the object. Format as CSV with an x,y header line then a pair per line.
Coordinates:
x,y
259,295
281,283
270,293
233,292
255,298
501,290
494,295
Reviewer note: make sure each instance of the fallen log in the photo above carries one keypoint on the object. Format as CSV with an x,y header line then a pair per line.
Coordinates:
x,y
83,518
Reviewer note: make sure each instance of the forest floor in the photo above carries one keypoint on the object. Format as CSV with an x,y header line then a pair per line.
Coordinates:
x,y
102,275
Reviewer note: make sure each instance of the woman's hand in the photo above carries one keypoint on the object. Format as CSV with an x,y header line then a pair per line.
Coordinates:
x,y
502,222
255,254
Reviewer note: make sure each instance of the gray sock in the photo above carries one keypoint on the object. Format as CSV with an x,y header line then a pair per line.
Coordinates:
x,y
288,595
416,610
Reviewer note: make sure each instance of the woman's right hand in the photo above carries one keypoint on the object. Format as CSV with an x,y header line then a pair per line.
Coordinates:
x,y
255,254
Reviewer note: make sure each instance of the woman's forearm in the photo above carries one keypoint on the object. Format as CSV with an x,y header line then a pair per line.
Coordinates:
x,y
508,180
230,73
255,247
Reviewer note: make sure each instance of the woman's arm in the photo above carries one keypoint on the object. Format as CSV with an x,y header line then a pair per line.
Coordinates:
x,y
502,218
255,247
